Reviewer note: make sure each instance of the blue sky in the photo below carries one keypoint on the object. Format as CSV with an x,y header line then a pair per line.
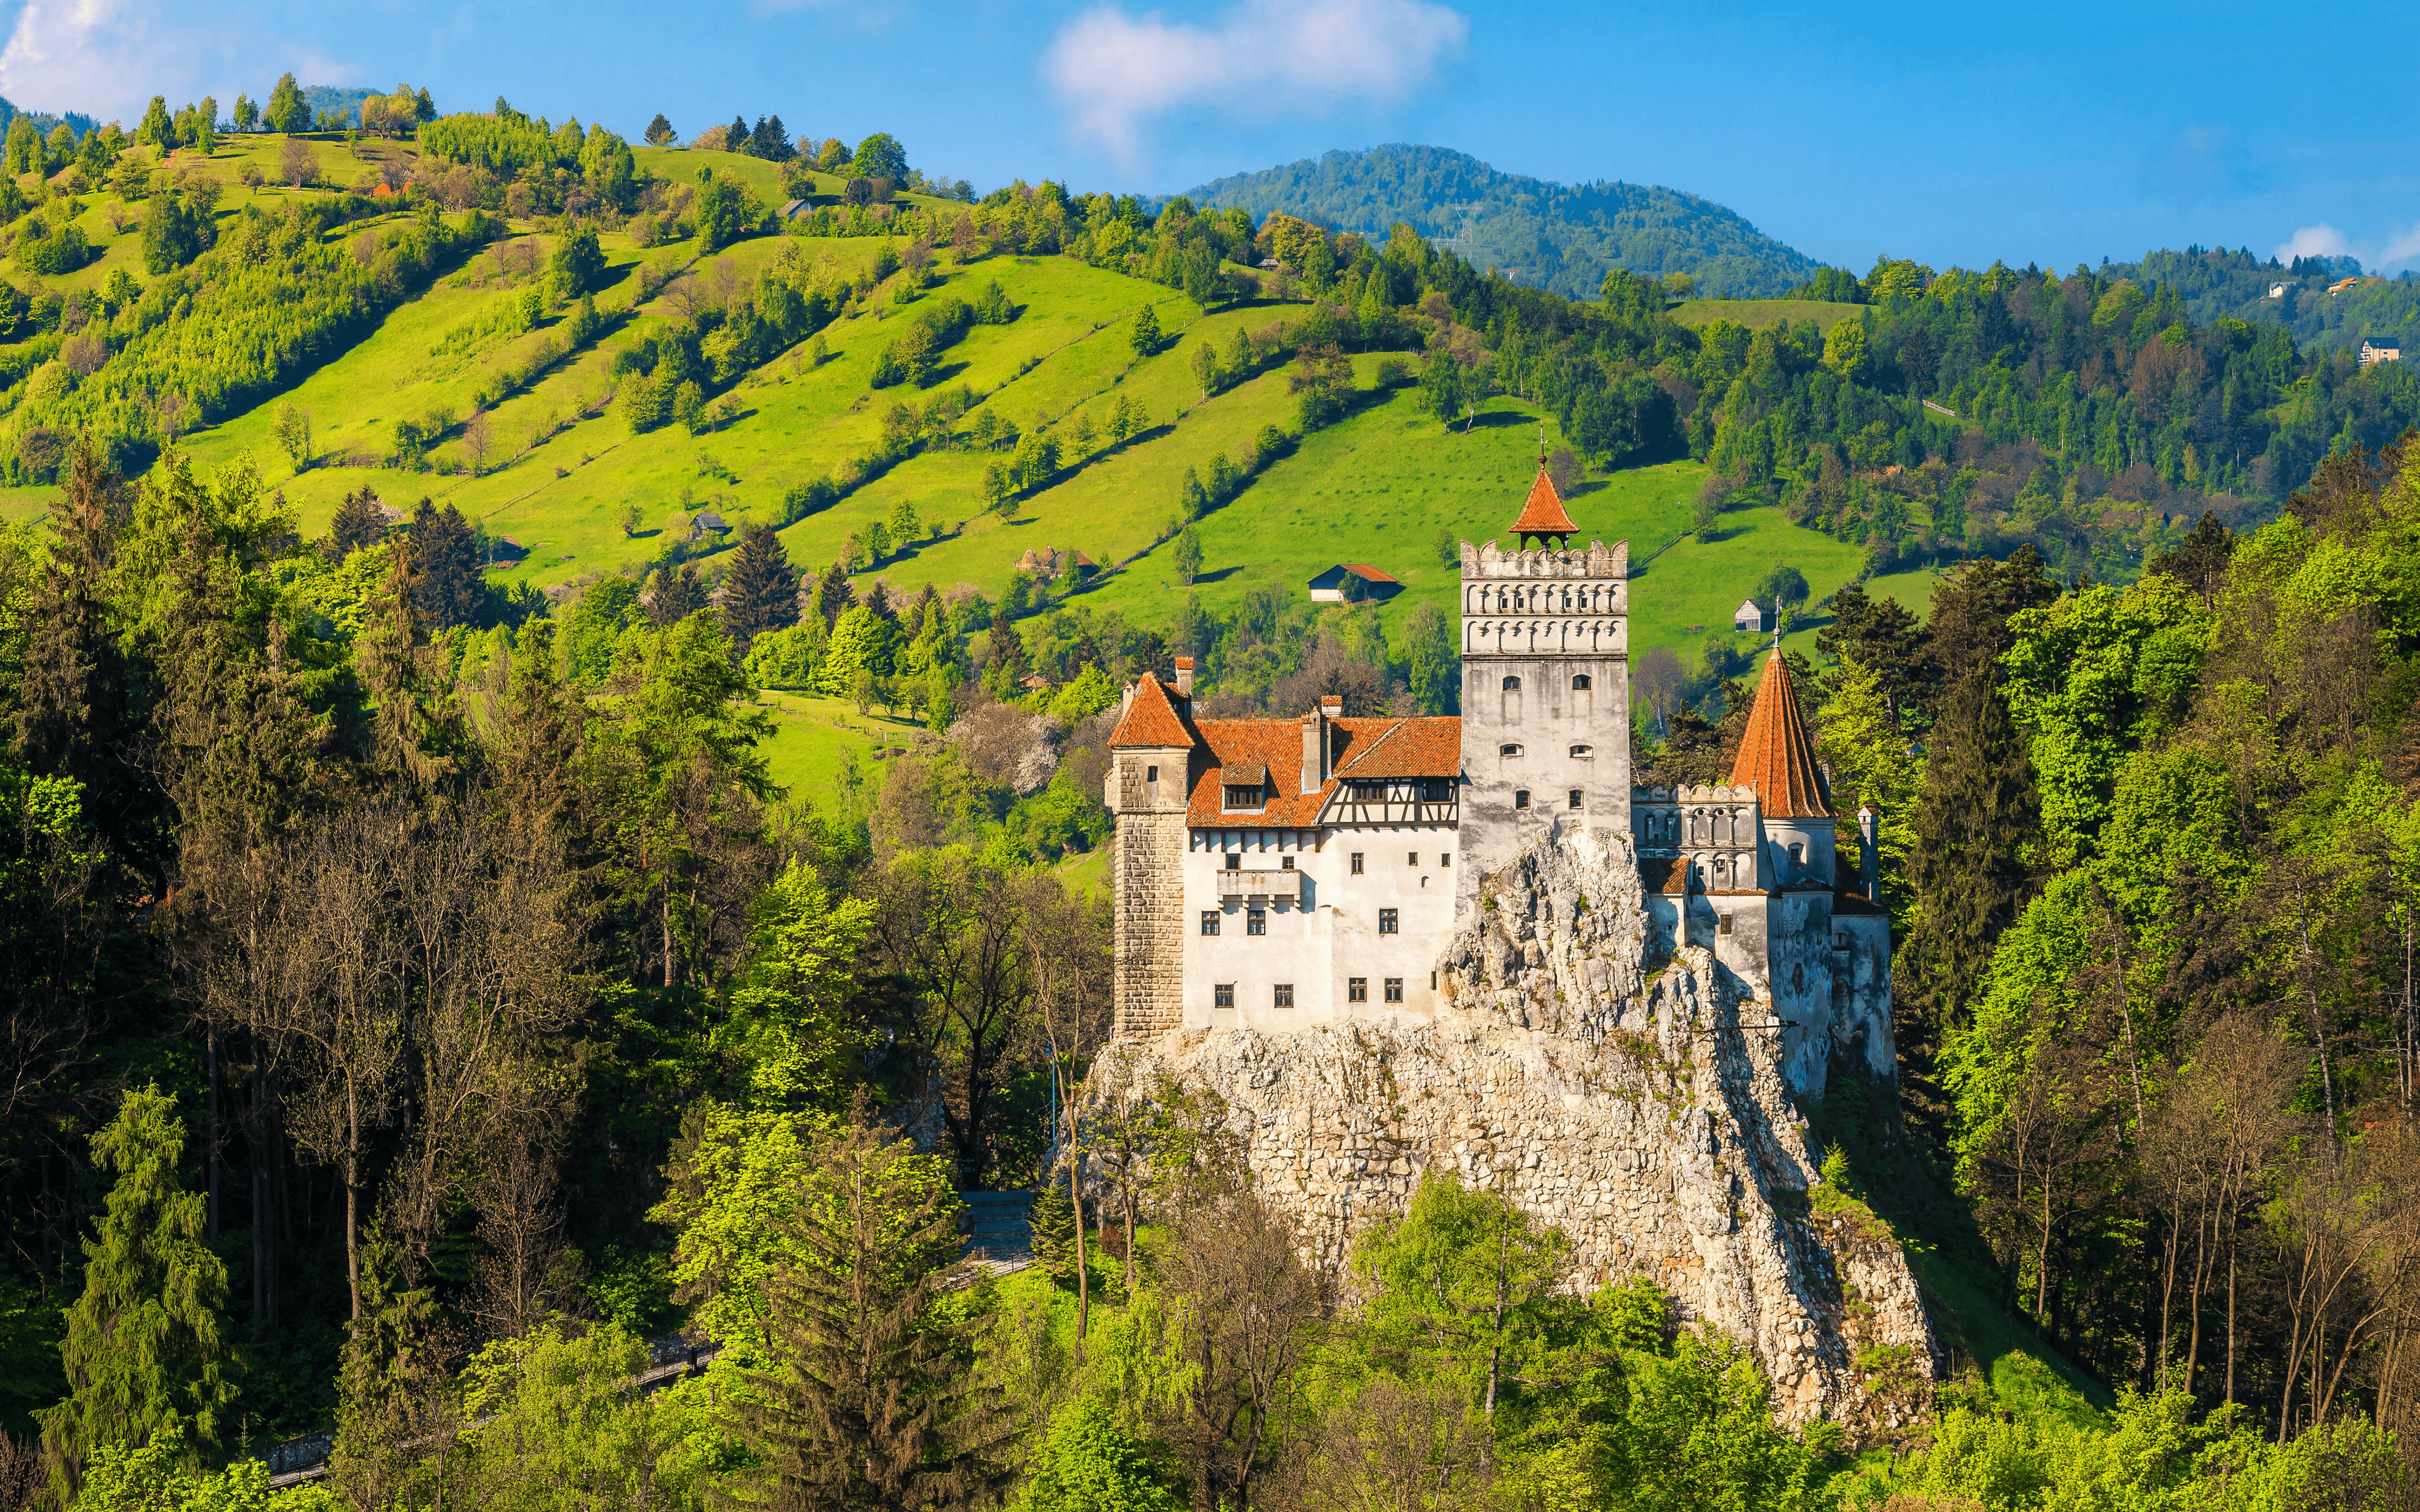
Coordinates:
x,y
2058,133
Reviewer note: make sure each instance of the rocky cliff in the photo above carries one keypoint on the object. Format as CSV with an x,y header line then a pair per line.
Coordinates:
x,y
1635,1103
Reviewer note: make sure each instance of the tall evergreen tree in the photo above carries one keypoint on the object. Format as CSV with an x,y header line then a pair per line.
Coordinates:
x,y
834,593
537,771
1971,612
735,137
145,1347
870,1405
417,727
79,712
678,594
360,521
451,589
1978,816
761,591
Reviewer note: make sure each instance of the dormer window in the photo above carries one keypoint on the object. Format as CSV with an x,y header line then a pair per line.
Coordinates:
x,y
1243,797
1581,753
1511,685
1581,684
1509,750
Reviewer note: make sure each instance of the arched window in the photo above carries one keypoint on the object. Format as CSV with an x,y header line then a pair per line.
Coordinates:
x,y
1510,751
1581,753
1581,683
1511,685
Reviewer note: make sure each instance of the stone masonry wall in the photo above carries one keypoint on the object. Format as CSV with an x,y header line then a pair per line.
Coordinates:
x,y
1636,1103
1148,929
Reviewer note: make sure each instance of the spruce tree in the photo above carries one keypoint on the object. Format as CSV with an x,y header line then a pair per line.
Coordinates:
x,y
145,1347
359,522
870,1404
452,589
77,714
761,591
1974,829
679,593
417,729
834,593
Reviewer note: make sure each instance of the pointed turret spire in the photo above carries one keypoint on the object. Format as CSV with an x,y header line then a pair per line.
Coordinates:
x,y
1776,757
1543,515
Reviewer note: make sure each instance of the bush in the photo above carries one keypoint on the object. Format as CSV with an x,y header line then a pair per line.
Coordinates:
x,y
60,250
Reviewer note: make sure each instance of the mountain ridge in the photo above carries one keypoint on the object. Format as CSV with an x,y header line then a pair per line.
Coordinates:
x,y
1562,238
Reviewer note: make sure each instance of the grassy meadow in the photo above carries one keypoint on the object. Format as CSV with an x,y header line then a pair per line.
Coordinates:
x,y
563,470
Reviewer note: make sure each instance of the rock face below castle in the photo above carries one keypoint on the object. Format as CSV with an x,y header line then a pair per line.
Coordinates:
x,y
1637,1104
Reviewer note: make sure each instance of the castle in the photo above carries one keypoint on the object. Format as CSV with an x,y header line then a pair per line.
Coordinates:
x,y
1281,874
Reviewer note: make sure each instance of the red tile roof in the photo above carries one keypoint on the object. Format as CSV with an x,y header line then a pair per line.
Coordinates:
x,y
1151,719
1776,756
1363,748
1543,514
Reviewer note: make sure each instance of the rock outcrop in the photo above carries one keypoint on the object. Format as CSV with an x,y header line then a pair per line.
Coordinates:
x,y
1636,1103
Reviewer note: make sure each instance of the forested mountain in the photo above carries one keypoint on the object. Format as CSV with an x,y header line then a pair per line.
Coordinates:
x,y
1558,236
2310,296
421,987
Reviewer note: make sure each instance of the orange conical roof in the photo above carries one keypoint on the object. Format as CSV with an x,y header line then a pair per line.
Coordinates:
x,y
1776,757
1543,514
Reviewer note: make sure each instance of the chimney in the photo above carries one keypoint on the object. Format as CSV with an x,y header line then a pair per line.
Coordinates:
x,y
1869,852
1315,743
1185,677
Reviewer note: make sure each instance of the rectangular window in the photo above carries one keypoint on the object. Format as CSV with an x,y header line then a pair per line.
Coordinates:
x,y
1357,990
1521,798
1285,995
1394,989
1575,797
1256,922
1386,922
1235,861
1209,922
1723,924
1151,774
1445,860
1223,995
1412,860
1357,863
1289,863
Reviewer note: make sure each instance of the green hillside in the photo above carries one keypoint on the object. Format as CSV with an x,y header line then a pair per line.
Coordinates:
x,y
1562,238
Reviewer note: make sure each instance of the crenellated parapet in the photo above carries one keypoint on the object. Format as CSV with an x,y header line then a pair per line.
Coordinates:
x,y
1486,560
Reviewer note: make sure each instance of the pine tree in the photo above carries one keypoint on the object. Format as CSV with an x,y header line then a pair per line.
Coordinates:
x,y
146,1346
871,1405
679,593
736,137
1145,336
417,729
1977,819
452,589
659,131
835,595
359,522
76,715
761,591
536,773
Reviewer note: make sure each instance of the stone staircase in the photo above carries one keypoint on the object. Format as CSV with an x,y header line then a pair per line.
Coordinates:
x,y
1000,1233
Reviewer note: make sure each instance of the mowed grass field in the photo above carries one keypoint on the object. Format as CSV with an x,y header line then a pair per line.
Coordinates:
x,y
1378,488
563,469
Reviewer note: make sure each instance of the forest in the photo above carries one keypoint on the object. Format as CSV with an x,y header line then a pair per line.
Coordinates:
x,y
442,1061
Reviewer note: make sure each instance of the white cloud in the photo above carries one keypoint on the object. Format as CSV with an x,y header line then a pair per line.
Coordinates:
x,y
2320,240
109,58
2400,249
1115,72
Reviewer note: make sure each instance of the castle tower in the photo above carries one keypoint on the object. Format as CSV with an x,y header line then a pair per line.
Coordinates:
x,y
1149,783
1545,687
1777,758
